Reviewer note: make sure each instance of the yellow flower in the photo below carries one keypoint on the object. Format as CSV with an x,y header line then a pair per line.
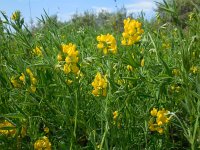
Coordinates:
x,y
79,74
160,130
177,89
59,57
22,78
100,45
32,88
32,79
160,121
15,16
115,115
68,47
42,143
14,82
95,92
29,72
166,45
46,130
107,43
175,72
191,16
152,126
72,58
172,87
129,68
98,146
142,62
132,32
121,81
23,131
162,117
74,68
154,112
67,68
7,132
37,51
99,84
194,69
69,82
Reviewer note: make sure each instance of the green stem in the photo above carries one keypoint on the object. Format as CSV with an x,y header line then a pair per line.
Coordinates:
x,y
105,104
75,120
76,113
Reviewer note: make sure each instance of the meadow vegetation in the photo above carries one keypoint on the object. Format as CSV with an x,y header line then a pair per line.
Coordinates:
x,y
101,81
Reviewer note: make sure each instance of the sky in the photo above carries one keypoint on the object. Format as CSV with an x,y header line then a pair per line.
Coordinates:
x,y
64,9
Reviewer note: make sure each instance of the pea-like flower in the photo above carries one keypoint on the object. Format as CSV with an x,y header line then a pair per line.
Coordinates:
x,y
15,82
132,32
32,79
194,69
18,82
115,115
46,130
129,68
175,72
59,57
142,62
71,59
16,15
100,85
42,143
160,119
107,43
7,132
37,51
22,78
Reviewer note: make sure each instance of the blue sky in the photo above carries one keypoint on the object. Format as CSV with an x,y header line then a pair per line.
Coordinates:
x,y
66,8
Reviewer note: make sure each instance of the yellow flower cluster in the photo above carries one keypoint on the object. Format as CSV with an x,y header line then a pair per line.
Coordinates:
x,y
16,15
107,43
132,32
175,72
175,88
16,83
194,69
100,85
32,79
116,121
37,51
6,124
42,144
71,59
115,115
160,120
